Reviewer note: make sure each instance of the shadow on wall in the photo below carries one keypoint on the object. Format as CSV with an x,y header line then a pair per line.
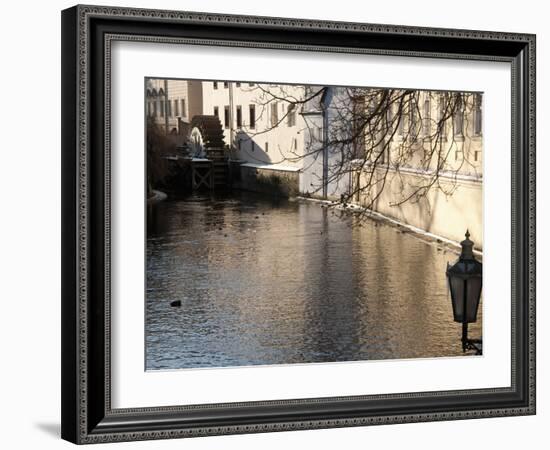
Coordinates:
x,y
436,212
252,171
247,148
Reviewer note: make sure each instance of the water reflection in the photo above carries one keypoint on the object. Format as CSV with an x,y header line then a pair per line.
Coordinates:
x,y
266,281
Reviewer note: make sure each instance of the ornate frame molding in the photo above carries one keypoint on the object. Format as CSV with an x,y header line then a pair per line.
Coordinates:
x,y
86,421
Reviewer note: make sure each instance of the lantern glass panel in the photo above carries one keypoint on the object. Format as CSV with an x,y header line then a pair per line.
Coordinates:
x,y
472,295
457,296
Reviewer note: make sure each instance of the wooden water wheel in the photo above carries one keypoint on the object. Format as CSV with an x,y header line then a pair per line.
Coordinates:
x,y
206,133
206,140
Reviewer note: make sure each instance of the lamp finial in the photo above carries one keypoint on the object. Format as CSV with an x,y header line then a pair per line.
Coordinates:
x,y
467,247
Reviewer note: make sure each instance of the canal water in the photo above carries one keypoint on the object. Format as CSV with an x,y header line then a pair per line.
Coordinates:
x,y
272,281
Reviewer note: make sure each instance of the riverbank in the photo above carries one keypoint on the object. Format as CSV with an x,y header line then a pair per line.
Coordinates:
x,y
441,242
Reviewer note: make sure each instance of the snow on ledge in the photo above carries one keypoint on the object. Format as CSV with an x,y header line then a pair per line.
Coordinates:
x,y
278,167
370,212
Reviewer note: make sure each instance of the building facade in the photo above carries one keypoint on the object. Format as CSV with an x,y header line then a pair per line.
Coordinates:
x,y
261,123
173,103
413,156
430,165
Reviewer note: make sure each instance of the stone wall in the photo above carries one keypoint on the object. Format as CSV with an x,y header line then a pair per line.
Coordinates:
x,y
444,215
261,179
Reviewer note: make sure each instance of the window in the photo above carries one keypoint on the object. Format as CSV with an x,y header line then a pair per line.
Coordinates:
x,y
169,108
176,108
442,119
267,147
251,145
358,126
291,115
458,118
413,120
215,84
183,111
477,115
274,114
239,116
252,114
426,120
238,84
149,109
162,108
389,116
295,143
382,158
154,109
226,116
251,84
216,112
225,84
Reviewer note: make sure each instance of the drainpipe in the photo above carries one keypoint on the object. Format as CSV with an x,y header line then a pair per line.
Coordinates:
x,y
166,124
324,107
231,117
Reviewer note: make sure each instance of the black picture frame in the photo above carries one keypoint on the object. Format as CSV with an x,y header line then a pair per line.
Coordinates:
x,y
87,33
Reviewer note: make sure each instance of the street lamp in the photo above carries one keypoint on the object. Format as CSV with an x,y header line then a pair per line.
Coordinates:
x,y
465,285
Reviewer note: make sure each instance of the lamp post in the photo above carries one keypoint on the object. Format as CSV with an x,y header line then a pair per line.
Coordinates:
x,y
465,285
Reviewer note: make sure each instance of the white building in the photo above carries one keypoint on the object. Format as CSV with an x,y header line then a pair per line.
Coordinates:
x,y
275,137
261,124
173,103
430,168
326,173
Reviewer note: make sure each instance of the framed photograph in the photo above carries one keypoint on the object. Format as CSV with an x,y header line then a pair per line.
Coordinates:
x,y
278,224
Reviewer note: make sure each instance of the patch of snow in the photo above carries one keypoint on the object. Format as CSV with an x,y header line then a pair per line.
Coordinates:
x,y
370,212
279,167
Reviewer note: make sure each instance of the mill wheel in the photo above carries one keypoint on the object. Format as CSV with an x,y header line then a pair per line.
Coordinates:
x,y
206,133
